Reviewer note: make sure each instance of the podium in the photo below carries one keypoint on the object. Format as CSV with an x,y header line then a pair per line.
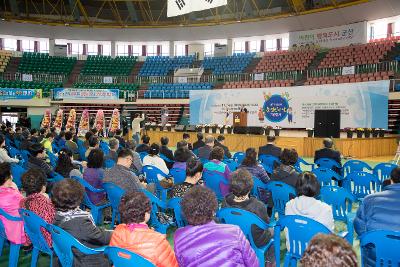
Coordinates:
x,y
240,119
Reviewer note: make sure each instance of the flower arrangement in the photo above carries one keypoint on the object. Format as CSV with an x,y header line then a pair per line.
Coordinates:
x,y
310,132
360,129
277,130
360,132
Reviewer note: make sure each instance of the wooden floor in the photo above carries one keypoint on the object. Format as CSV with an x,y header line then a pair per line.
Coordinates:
x,y
360,148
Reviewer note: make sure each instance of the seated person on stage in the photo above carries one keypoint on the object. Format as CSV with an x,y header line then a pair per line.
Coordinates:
x,y
113,153
181,155
380,211
286,172
270,148
166,151
220,142
199,143
194,169
216,165
328,152
37,160
205,151
144,146
251,164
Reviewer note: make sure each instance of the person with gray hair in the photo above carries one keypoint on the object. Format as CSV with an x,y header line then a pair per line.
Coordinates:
x,y
329,152
205,151
114,145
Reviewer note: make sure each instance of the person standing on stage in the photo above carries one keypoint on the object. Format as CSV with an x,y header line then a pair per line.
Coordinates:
x,y
136,127
164,116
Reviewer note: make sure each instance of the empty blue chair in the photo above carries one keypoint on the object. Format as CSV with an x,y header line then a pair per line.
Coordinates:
x,y
355,166
17,171
300,162
269,162
109,163
175,205
386,245
53,159
178,174
167,160
14,248
300,231
156,206
361,184
34,225
96,210
383,170
114,195
325,176
238,157
327,163
63,243
215,182
281,194
245,220
120,257
341,202
232,164
152,177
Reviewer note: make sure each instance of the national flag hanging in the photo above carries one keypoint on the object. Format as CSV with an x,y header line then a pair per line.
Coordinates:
x,y
180,7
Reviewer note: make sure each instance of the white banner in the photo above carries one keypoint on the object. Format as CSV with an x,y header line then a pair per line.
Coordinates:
x,y
27,77
259,76
107,79
343,35
348,70
180,7
182,79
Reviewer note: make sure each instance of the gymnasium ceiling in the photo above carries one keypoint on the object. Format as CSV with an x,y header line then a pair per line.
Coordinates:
x,y
153,13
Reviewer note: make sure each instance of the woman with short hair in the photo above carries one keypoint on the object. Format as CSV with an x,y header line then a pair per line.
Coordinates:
x,y
217,166
194,170
205,243
286,172
251,164
64,166
153,159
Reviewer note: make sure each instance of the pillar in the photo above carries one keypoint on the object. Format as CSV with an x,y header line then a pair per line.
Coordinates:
x,y
229,47
171,48
113,49
52,44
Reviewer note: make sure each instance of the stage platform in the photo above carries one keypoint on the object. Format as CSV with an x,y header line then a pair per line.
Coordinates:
x,y
349,147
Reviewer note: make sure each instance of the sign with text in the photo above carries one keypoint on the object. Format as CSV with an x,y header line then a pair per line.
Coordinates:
x,y
73,93
348,70
259,76
27,77
12,93
362,105
180,7
107,79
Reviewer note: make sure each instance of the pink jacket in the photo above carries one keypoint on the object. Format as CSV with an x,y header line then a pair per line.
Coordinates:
x,y
10,199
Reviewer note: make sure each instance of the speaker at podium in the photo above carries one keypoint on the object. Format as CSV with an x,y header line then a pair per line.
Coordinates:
x,y
240,119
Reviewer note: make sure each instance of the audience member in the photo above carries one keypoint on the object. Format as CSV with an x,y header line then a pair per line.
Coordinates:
x,y
67,196
42,134
118,135
216,165
286,172
270,148
251,164
34,185
153,159
194,170
64,166
220,142
37,160
186,138
10,199
93,144
113,143
329,250
379,211
136,165
27,140
4,157
34,135
71,145
328,152
199,143
145,145
47,142
205,243
182,155
166,151
134,234
205,151
88,135
60,139
94,175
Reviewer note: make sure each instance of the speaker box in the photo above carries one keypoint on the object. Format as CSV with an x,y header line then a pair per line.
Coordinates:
x,y
191,128
240,130
255,130
179,128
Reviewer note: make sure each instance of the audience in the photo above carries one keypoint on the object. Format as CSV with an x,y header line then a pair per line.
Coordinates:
x,y
145,146
328,152
153,159
136,165
329,250
134,234
27,141
216,165
286,172
194,170
205,151
270,148
166,151
205,243
379,211
251,164
71,145
10,199
67,196
64,166
94,175
241,186
118,135
220,142
199,143
182,155
93,144
34,185
113,143
37,160
4,157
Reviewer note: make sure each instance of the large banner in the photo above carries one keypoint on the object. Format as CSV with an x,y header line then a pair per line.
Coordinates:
x,y
180,7
362,105
331,37
73,93
13,93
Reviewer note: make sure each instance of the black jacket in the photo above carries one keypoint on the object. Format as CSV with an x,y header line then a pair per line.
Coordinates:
x,y
226,149
270,149
168,154
198,144
204,152
328,153
121,140
286,174
142,148
40,164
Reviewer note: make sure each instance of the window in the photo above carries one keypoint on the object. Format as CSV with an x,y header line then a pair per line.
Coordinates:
x,y
28,45
285,43
239,47
75,49
371,32
10,44
92,49
136,50
44,47
106,50
180,50
209,50
80,48
122,50
270,45
254,46
151,50
165,50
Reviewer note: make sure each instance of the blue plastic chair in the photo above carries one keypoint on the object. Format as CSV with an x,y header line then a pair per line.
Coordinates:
x,y
327,163
54,147
120,257
25,155
341,202
178,174
175,205
386,245
13,151
82,151
232,164
300,162
14,248
204,161
142,155
257,186
109,163
33,227
104,147
96,210
383,170
355,166
300,231
63,243
17,171
157,205
53,159
214,181
269,162
167,160
281,194
325,176
55,177
361,184
114,195
152,173
238,157
196,152
245,220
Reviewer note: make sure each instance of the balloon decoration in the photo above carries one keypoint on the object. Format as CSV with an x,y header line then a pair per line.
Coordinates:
x,y
58,121
71,119
84,123
114,122
100,123
46,119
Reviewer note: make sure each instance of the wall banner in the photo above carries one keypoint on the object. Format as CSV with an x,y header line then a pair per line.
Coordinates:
x,y
13,93
73,93
180,7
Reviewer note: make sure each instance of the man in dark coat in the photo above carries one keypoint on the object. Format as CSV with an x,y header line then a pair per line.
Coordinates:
x,y
220,142
270,148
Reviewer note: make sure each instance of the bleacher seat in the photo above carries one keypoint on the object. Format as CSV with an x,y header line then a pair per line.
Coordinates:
x,y
121,86
258,84
43,63
106,65
228,65
285,61
352,78
161,66
45,86
4,59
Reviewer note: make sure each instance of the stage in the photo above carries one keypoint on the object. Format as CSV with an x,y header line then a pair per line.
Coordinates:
x,y
360,148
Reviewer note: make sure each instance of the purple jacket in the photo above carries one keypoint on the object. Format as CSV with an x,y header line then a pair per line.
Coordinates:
x,y
95,178
211,245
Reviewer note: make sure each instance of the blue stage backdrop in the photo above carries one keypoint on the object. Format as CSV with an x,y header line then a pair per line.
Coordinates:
x,y
362,105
